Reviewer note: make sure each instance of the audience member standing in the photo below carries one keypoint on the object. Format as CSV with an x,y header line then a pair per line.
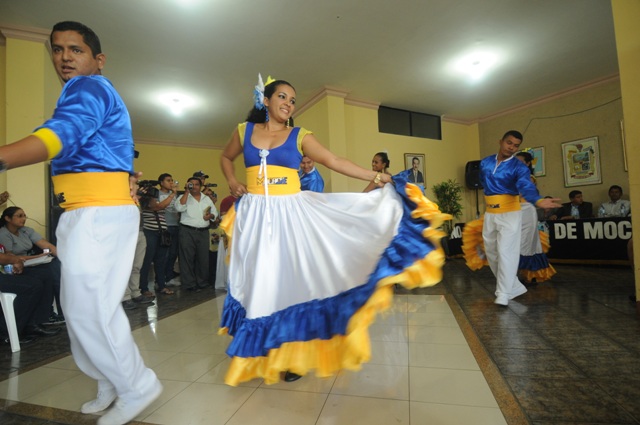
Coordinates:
x,y
196,211
169,189
132,293
153,223
380,164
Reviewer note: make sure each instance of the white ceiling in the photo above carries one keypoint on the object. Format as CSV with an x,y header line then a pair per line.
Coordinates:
x,y
393,52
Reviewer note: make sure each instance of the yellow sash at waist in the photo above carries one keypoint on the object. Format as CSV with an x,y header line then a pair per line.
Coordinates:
x,y
78,190
282,180
497,204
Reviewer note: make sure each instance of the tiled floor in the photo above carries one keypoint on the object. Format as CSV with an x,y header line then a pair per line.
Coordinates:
x,y
565,353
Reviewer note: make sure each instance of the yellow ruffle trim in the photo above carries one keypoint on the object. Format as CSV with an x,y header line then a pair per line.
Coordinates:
x,y
327,357
473,251
539,275
473,245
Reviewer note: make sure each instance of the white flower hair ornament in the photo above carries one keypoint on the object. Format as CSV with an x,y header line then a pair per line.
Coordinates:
x,y
258,92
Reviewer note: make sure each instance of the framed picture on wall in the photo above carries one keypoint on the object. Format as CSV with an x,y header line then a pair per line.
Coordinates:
x,y
538,161
581,162
415,163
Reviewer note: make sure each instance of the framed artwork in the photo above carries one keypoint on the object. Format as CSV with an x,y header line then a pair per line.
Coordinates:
x,y
538,161
581,162
415,162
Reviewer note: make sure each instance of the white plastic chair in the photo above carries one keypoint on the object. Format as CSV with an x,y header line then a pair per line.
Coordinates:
x,y
6,300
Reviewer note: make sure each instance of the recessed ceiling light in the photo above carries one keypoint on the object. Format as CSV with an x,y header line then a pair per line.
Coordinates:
x,y
477,64
177,102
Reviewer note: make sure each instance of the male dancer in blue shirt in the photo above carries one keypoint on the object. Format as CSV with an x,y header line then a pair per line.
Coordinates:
x,y
504,178
90,143
310,178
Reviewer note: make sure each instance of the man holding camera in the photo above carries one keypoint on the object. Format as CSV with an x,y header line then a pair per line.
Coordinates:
x,y
197,211
154,225
168,189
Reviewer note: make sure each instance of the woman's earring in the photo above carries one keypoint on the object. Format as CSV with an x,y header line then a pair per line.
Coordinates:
x,y
288,123
266,114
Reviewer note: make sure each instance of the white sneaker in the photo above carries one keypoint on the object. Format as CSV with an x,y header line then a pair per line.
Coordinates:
x,y
125,410
521,289
502,300
106,396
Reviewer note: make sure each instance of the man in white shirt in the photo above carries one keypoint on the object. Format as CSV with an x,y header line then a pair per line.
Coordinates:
x,y
616,207
197,211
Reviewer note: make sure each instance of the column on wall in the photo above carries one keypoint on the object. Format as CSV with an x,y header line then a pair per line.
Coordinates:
x,y
28,76
625,14
324,115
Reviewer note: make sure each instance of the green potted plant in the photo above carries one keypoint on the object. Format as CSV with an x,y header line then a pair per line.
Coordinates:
x,y
448,196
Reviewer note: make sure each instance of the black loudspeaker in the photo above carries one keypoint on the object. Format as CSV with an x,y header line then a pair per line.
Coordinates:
x,y
472,175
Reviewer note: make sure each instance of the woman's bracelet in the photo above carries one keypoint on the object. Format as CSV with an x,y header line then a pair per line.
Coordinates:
x,y
378,178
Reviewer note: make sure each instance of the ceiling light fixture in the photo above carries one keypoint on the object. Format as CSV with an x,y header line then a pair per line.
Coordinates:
x,y
476,65
176,102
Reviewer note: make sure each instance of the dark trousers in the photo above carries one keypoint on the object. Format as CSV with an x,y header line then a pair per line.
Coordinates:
x,y
172,254
49,274
213,267
194,257
157,255
32,304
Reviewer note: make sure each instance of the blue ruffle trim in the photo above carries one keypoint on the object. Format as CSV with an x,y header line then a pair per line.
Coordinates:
x,y
323,319
533,262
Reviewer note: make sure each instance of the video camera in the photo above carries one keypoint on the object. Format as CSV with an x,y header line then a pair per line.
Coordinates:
x,y
147,188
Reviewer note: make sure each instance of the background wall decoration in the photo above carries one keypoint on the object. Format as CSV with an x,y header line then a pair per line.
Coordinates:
x,y
538,161
581,162
420,170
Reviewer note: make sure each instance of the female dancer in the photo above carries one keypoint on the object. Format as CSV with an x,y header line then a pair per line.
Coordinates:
x,y
534,265
20,240
308,271
379,164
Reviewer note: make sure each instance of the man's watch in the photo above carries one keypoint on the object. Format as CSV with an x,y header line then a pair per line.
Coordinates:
x,y
377,179
3,166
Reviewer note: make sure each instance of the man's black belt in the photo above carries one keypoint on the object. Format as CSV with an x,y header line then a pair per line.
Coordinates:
x,y
194,228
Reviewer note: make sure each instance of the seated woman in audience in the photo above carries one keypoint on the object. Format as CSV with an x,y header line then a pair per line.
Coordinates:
x,y
23,241
32,304
379,164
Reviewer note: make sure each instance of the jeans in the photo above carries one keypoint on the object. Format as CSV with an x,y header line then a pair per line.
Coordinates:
x,y
157,255
172,254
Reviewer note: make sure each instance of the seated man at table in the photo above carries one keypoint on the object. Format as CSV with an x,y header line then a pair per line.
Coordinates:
x,y
616,207
577,208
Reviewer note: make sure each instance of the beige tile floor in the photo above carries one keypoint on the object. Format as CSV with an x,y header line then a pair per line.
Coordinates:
x,y
422,371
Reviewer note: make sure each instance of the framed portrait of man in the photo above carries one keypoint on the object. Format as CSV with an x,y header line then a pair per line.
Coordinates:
x,y
415,163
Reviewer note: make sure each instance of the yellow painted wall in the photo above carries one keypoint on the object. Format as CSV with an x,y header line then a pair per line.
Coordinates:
x,y
27,70
445,159
3,108
316,119
625,18
603,122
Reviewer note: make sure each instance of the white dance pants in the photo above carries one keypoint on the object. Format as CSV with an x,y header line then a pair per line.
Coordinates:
x,y
96,246
501,234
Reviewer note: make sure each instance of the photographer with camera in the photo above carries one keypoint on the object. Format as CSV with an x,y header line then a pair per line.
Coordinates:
x,y
154,226
169,189
197,211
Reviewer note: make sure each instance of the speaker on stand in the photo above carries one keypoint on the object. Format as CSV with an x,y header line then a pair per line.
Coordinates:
x,y
472,178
